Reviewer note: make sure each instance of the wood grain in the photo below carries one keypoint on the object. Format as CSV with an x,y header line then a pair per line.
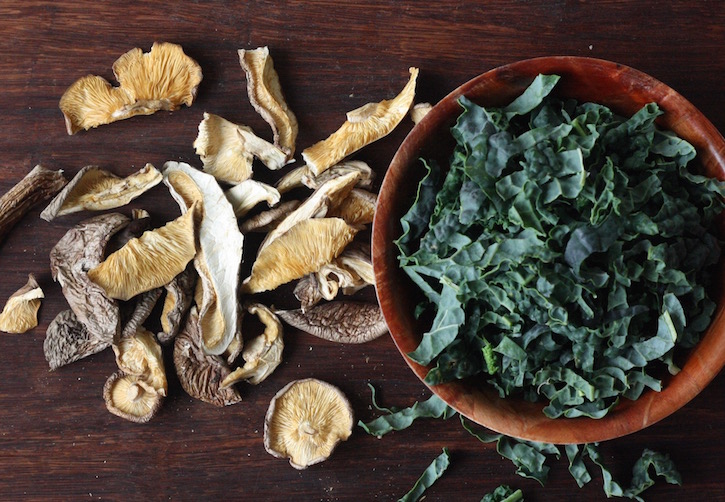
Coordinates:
x,y
58,442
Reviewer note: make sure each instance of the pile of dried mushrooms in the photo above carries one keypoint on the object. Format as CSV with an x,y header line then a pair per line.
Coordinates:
x,y
113,269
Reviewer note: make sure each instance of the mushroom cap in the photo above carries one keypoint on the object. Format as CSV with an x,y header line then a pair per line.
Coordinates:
x,y
305,422
129,397
20,313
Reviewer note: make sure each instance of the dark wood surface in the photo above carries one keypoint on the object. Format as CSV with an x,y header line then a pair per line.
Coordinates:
x,y
58,442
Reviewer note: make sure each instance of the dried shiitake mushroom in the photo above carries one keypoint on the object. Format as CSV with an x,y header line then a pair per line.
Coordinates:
x,y
247,194
140,355
364,125
129,397
20,313
265,94
305,422
67,340
142,307
179,295
163,79
339,321
266,221
95,189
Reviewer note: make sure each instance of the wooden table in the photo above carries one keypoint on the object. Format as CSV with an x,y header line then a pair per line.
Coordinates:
x,y
58,442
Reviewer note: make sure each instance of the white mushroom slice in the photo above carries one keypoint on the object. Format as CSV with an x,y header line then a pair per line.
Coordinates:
x,y
129,397
247,194
95,189
20,313
265,94
222,150
266,221
219,257
419,111
305,422
140,355
263,353
364,125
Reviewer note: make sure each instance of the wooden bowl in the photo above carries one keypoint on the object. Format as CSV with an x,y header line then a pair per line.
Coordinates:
x,y
623,89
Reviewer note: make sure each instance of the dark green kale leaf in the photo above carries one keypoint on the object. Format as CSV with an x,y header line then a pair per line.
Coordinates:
x,y
431,474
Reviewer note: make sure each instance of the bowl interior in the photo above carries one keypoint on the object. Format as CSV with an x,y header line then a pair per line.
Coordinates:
x,y
623,89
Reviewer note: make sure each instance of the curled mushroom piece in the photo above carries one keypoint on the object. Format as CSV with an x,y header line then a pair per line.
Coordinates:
x,y
144,304
358,208
266,221
365,180
140,355
419,111
39,185
263,353
364,125
265,94
67,340
163,79
179,295
305,422
247,194
339,321
200,373
78,251
149,261
95,189
20,313
129,397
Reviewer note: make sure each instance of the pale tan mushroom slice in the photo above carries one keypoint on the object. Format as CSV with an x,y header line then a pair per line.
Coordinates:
x,y
303,176
129,397
364,125
140,355
263,353
220,253
267,220
305,422
20,312
334,277
301,250
339,321
357,258
271,155
79,250
292,179
265,94
316,205
222,151
149,261
358,208
419,111
163,79
247,194
67,340
95,189
200,373
179,296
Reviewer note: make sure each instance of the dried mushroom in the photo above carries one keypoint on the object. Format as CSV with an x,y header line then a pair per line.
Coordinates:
x,y
269,219
305,422
95,189
358,208
149,261
301,250
78,251
349,166
163,79
129,397
140,222
339,321
39,185
247,194
67,340
179,295
140,355
20,313
200,373
364,125
222,151
265,94
292,179
263,353
419,111
144,304
219,257
270,155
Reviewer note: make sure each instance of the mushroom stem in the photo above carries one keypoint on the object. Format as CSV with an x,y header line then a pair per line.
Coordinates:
x,y
134,392
306,428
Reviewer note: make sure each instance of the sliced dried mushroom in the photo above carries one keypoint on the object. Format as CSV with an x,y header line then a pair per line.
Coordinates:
x,y
356,257
149,261
349,166
78,251
301,250
39,185
334,277
305,422
419,111
339,321
20,312
270,155
200,373
247,194
129,397
140,222
292,179
364,125
179,295
163,79
358,208
307,291
140,355
265,94
263,353
219,257
222,151
269,219
67,340
95,189
142,307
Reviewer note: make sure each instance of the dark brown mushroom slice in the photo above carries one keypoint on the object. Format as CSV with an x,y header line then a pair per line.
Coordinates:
x,y
78,251
307,291
67,340
200,373
179,295
142,307
339,321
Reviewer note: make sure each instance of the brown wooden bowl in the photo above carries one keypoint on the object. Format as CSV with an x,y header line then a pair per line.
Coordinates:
x,y
623,89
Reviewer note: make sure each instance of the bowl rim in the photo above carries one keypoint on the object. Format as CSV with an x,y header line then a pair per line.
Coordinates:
x,y
703,363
